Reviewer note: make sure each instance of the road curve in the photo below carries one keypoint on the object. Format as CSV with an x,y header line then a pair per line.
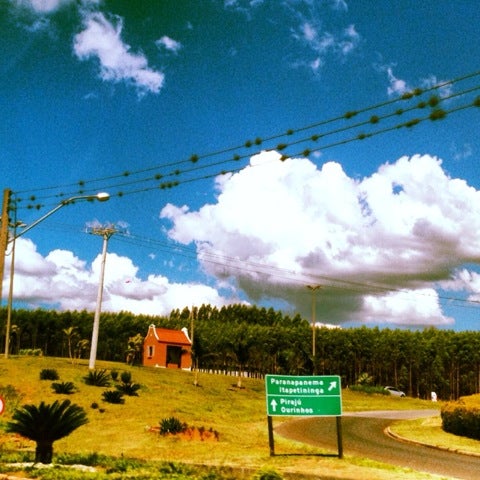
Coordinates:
x,y
363,435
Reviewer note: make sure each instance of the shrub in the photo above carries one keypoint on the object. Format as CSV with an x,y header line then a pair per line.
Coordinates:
x,y
129,389
67,388
11,396
113,396
171,425
126,377
114,375
49,374
98,378
267,474
462,417
32,352
369,389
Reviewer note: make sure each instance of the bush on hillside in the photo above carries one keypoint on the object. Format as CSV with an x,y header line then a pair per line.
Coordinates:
x,y
462,417
113,396
66,388
98,378
171,425
49,374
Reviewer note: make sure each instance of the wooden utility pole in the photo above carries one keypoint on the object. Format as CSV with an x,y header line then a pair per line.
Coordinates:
x,y
4,235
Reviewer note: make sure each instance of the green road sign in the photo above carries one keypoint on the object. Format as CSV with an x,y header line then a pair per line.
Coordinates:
x,y
303,396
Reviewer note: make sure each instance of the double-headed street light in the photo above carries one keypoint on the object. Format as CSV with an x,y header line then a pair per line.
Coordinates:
x,y
5,240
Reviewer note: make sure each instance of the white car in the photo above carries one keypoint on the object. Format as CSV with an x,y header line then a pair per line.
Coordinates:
x,y
395,391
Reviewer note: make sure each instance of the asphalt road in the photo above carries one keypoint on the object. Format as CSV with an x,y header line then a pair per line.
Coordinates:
x,y
363,435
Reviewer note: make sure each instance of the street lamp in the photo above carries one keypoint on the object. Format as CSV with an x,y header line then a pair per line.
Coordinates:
x,y
313,289
101,197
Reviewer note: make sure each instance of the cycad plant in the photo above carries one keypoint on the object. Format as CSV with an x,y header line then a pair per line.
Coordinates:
x,y
44,424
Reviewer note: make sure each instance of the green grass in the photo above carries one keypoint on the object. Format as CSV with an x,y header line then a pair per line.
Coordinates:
x,y
116,433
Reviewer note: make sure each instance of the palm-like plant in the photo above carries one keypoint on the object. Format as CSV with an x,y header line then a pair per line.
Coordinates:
x,y
44,424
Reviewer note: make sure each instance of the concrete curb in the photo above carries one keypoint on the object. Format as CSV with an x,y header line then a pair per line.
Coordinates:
x,y
388,431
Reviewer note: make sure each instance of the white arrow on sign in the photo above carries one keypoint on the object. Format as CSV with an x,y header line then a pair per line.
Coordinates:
x,y
273,403
332,386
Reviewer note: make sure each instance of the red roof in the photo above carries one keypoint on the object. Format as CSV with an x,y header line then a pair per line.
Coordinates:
x,y
167,335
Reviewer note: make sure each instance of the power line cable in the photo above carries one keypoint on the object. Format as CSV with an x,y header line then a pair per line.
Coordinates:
x,y
195,158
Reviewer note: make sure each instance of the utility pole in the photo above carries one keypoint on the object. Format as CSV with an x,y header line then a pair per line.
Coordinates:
x,y
105,232
4,235
314,289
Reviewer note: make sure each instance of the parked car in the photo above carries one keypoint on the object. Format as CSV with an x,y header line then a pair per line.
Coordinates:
x,y
395,391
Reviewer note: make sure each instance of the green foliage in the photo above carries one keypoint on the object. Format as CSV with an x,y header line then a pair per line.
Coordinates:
x,y
114,375
364,379
462,417
97,378
130,389
126,377
267,474
49,374
46,423
369,389
171,425
11,396
113,396
66,388
259,341
32,352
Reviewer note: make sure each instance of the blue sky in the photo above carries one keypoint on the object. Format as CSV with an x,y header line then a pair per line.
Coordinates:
x,y
250,148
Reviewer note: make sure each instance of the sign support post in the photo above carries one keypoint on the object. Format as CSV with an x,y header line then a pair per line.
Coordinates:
x,y
271,442
339,437
309,396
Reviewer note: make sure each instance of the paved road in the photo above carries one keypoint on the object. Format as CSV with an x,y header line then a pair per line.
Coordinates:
x,y
363,435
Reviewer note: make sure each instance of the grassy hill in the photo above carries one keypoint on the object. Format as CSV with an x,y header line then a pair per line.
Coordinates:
x,y
124,431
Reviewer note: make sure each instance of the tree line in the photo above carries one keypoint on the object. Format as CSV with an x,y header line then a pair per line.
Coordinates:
x,y
254,341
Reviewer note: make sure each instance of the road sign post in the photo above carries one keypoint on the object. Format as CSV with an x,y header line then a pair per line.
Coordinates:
x,y
309,396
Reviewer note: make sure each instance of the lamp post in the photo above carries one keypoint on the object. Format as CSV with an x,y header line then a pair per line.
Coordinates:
x,y
314,289
101,197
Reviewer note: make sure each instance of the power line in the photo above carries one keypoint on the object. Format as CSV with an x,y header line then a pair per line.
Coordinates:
x,y
176,177
282,274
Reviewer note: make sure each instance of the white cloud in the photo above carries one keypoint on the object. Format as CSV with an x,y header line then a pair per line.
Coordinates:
x,y
64,281
432,81
396,85
339,5
320,41
41,6
278,226
461,152
169,44
50,6
404,308
101,39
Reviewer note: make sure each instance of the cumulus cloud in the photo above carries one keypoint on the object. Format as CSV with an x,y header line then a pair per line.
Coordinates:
x,y
64,281
379,245
101,39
